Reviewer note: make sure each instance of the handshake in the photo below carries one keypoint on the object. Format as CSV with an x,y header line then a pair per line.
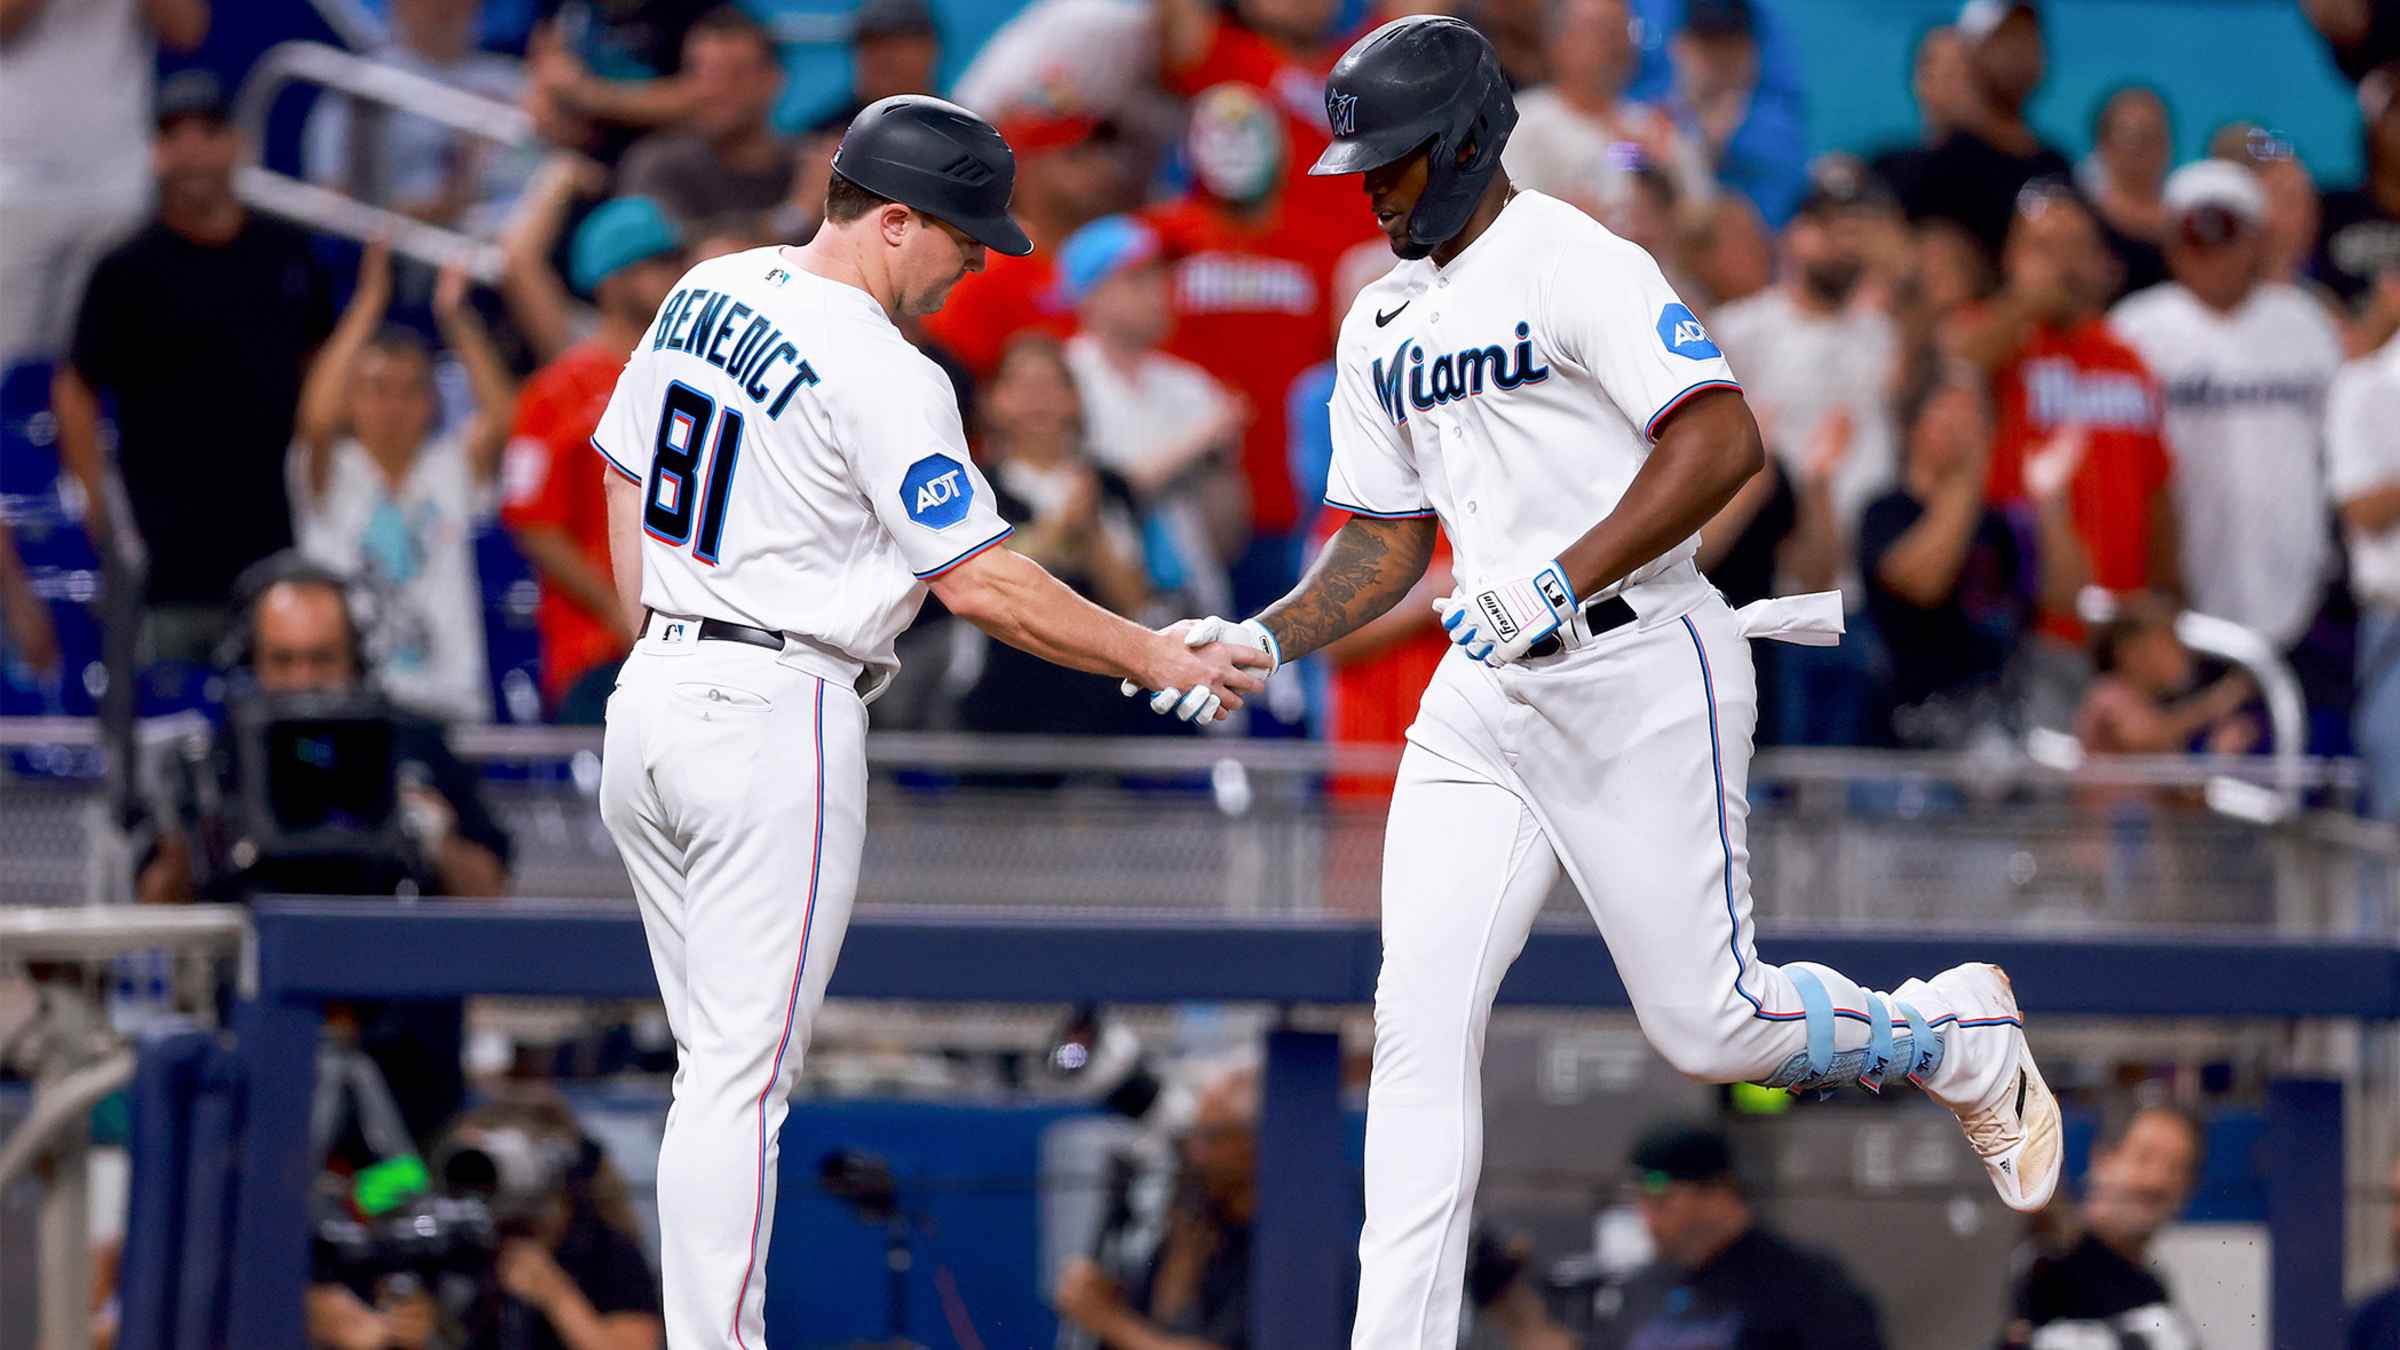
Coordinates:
x,y
1206,665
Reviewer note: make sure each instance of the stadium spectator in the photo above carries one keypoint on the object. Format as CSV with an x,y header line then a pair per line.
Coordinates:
x,y
1168,429
2293,210
1283,50
1096,57
2144,703
382,495
1718,1267
2376,1322
1578,138
627,254
1951,580
1068,175
210,307
2359,34
723,155
1942,84
732,232
1781,524
796,221
412,164
1729,256
2054,362
2360,234
1073,516
1941,274
541,310
31,634
297,635
1650,216
1816,344
2124,178
1194,1292
1252,273
2098,1290
2362,466
2243,364
600,75
894,49
1754,137
1974,175
71,186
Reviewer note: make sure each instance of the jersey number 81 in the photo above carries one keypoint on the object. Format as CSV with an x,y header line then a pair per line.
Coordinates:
x,y
670,503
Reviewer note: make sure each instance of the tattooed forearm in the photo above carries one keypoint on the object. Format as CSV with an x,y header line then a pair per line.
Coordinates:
x,y
1365,569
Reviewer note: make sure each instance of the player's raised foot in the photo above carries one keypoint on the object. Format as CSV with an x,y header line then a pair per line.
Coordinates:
x,y
2013,1124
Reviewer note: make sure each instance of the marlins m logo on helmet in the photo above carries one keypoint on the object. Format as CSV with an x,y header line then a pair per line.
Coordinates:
x,y
1341,112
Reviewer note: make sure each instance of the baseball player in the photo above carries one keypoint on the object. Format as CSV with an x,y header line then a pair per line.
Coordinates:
x,y
1529,380
786,479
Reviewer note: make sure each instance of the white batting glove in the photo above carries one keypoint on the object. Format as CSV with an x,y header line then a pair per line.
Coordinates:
x,y
1495,623
1201,704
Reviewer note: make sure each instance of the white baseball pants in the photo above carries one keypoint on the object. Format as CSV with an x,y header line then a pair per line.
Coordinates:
x,y
1625,763
734,784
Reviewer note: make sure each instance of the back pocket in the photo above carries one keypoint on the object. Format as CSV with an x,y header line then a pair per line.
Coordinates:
x,y
711,699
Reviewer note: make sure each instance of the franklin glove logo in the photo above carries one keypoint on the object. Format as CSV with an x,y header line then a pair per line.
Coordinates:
x,y
937,492
1341,113
1496,614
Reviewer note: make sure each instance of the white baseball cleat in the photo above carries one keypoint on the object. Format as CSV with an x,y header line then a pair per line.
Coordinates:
x,y
2015,1128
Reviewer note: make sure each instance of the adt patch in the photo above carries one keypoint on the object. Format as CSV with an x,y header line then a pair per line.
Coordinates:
x,y
937,492
1680,329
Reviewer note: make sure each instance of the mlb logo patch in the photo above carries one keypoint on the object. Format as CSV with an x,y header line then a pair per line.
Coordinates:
x,y
1680,330
778,276
936,492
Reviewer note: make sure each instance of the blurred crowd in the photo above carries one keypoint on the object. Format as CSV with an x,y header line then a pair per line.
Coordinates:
x,y
2025,411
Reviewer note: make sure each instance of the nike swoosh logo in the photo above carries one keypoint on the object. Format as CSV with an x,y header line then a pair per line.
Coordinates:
x,y
1382,318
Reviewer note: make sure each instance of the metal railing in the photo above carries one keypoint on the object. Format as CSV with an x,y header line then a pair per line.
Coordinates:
x,y
1228,826
372,86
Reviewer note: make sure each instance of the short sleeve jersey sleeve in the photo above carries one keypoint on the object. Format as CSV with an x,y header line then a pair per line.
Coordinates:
x,y
907,452
529,464
1612,312
1372,473
621,438
2360,410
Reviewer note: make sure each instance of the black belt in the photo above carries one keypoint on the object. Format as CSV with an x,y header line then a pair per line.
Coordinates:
x,y
1599,617
717,630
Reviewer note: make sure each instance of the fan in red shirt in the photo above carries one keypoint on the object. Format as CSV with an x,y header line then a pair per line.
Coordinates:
x,y
627,255
1283,49
1068,175
1252,277
2054,362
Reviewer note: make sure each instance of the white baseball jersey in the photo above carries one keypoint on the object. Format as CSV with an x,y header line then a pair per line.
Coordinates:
x,y
803,466
1514,392
2361,455
2245,399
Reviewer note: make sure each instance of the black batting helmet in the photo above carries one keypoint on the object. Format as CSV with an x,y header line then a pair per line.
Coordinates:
x,y
937,158
1424,81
